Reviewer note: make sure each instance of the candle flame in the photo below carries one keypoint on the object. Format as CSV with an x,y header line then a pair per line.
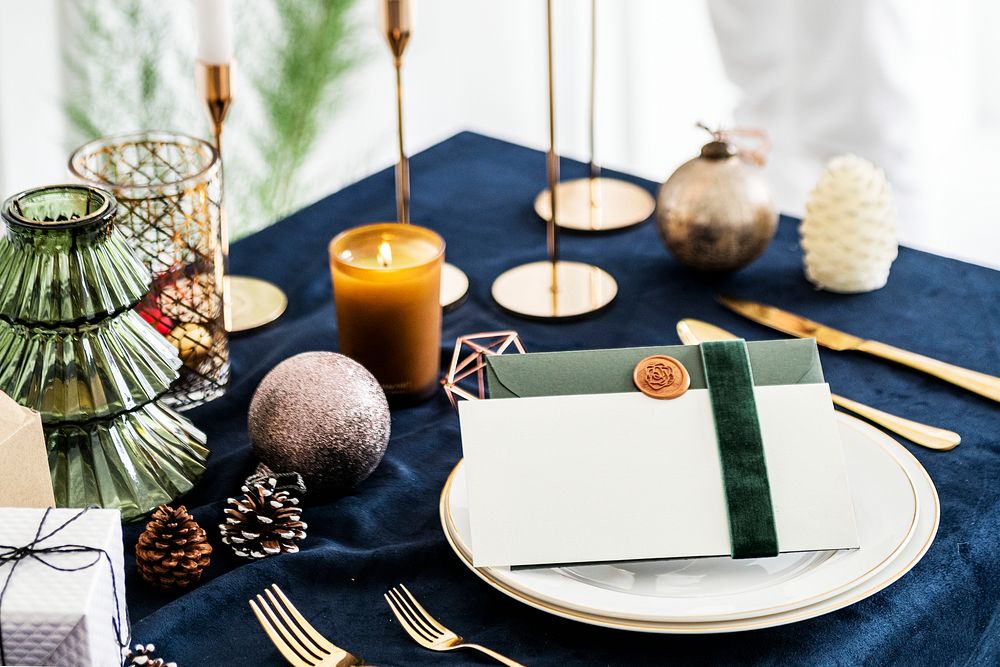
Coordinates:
x,y
384,256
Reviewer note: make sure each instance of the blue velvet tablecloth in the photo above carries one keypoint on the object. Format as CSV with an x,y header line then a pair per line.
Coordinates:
x,y
478,193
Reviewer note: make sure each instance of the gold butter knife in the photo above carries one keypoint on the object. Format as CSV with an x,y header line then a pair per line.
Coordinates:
x,y
692,332
796,325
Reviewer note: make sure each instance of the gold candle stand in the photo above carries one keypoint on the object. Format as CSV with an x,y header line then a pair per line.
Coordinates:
x,y
398,28
248,302
596,203
555,288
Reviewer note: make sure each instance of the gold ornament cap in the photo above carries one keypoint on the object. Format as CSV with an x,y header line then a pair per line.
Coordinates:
x,y
719,150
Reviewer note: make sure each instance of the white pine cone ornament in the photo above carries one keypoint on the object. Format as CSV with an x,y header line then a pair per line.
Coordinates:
x,y
849,230
142,656
264,522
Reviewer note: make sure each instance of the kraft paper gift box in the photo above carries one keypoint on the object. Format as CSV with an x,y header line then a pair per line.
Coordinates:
x,y
56,617
568,462
24,465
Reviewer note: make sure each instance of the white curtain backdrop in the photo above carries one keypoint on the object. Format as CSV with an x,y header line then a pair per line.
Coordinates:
x,y
911,86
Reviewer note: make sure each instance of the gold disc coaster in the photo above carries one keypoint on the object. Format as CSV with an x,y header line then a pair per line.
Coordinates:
x,y
597,204
580,289
454,286
253,302
660,376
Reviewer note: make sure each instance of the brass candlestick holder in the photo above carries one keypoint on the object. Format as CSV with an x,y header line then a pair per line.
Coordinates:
x,y
554,289
596,203
248,302
397,27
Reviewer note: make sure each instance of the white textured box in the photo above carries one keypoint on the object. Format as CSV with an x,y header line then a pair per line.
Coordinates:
x,y
51,617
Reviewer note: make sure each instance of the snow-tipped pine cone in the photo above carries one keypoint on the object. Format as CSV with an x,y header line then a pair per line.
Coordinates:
x,y
142,656
263,522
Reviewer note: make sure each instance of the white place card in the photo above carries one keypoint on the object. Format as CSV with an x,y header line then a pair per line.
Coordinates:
x,y
614,477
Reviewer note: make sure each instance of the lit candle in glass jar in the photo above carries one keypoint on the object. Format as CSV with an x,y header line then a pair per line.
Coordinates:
x,y
386,289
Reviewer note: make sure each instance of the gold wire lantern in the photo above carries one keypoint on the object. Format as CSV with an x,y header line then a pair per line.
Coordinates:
x,y
169,192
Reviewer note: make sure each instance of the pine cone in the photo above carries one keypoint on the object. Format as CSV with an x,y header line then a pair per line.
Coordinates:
x,y
173,550
143,656
849,230
264,522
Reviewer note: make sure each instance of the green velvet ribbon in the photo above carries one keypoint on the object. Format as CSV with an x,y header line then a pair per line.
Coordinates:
x,y
741,449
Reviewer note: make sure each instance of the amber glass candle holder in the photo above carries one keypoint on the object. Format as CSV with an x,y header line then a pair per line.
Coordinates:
x,y
386,287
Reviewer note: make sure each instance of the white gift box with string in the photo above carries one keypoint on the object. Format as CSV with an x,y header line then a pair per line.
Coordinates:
x,y
64,596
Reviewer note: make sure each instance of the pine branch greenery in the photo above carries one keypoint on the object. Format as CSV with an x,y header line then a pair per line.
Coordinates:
x,y
130,65
116,63
311,52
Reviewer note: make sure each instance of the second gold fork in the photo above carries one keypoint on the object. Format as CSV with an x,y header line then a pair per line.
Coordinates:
x,y
427,631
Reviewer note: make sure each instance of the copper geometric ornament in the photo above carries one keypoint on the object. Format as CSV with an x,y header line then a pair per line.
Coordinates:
x,y
479,345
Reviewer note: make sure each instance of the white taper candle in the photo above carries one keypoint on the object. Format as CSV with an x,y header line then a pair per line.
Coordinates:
x,y
215,31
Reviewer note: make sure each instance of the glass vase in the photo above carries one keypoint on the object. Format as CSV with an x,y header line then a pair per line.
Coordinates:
x,y
169,191
73,348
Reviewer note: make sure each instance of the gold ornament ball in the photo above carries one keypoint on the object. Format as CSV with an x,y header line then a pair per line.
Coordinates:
x,y
193,343
715,212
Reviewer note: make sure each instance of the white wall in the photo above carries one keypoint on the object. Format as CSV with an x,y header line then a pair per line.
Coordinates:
x,y
480,65
32,126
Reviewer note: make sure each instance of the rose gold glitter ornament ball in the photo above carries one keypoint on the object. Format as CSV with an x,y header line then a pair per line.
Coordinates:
x,y
322,415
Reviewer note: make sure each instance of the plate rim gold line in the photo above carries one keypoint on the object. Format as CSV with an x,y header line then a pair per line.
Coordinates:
x,y
786,607
697,627
706,627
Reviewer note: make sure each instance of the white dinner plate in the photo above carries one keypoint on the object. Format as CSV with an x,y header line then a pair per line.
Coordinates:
x,y
897,513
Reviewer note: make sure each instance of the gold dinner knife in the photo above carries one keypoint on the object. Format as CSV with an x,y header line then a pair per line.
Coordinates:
x,y
692,332
796,325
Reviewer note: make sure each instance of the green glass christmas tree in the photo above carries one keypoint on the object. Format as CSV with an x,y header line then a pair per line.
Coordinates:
x,y
73,348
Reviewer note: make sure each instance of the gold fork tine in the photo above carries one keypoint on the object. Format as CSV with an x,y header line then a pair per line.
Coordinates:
x,y
311,650
283,648
411,616
292,640
420,624
423,612
319,640
428,631
405,622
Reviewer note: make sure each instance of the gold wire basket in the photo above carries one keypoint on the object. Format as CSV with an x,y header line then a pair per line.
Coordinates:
x,y
169,192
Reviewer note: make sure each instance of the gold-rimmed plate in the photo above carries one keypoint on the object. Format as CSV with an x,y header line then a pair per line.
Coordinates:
x,y
739,598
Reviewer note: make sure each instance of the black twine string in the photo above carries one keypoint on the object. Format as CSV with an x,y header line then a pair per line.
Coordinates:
x,y
15,555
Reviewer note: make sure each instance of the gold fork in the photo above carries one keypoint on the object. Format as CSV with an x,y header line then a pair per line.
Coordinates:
x,y
295,639
425,629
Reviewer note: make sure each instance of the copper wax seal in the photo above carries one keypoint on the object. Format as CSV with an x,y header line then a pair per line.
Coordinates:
x,y
660,376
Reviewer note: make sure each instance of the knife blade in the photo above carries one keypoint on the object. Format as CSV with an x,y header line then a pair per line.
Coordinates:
x,y
792,324
801,327
692,332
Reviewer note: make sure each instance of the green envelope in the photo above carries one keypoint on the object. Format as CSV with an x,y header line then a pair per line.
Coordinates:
x,y
773,362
